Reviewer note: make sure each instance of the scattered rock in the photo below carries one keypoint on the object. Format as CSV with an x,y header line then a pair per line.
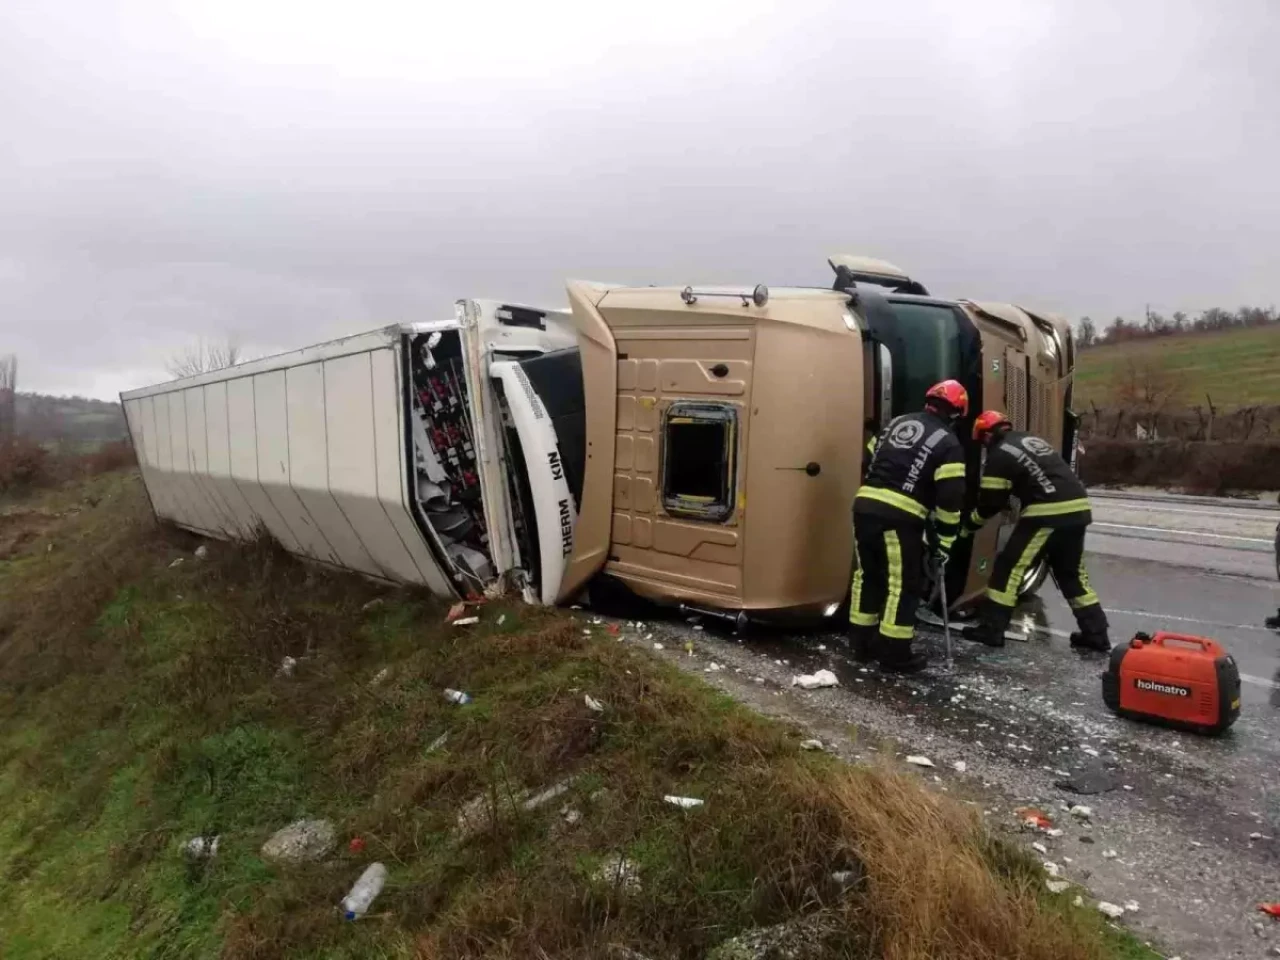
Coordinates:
x,y
917,761
1110,910
202,551
1086,839
201,848
1081,812
959,766
1078,901
1052,869
1109,854
594,705
570,815
380,676
800,939
811,745
1057,886
1039,848
714,667
822,678
1131,906
287,666
658,646
620,873
1054,832
302,841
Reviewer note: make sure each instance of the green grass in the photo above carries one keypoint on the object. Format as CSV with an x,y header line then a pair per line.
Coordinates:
x,y
140,706
1236,367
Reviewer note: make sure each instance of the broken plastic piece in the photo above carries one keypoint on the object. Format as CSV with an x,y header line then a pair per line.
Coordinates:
x,y
685,803
466,622
916,761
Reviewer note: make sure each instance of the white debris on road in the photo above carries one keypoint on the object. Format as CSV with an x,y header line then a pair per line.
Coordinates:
x,y
1081,812
959,766
822,678
1109,854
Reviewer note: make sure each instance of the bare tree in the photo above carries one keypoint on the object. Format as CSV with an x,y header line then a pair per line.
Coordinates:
x,y
1146,388
8,396
204,357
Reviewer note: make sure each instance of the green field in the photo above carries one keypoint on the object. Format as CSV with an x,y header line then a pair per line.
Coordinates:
x,y
1236,368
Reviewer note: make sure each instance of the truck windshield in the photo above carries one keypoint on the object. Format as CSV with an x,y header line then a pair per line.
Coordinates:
x,y
929,334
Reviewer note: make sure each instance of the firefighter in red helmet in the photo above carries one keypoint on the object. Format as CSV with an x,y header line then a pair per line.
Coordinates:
x,y
917,469
1054,516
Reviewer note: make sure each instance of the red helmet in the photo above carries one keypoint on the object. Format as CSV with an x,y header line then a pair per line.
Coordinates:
x,y
988,422
951,392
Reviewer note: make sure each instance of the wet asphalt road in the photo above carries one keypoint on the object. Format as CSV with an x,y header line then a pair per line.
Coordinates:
x,y
1190,827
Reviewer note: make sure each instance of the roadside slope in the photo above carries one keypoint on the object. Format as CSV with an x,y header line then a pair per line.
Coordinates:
x,y
142,704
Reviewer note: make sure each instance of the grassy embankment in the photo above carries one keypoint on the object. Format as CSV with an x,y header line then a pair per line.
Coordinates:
x,y
1237,368
140,706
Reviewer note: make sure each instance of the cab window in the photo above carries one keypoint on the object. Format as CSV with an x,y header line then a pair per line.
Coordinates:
x,y
699,460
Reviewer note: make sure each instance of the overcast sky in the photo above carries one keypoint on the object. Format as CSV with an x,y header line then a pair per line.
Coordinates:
x,y
285,172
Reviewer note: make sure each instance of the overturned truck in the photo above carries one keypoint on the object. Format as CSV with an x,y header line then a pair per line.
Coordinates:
x,y
698,446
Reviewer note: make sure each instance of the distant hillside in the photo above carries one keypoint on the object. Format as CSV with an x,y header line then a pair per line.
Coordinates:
x,y
1235,367
76,421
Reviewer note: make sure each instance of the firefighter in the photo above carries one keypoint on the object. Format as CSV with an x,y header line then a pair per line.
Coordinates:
x,y
1055,514
917,468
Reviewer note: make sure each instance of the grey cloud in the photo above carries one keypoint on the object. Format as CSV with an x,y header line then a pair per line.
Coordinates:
x,y
166,176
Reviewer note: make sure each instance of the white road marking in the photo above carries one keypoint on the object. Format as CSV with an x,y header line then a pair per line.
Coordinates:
x,y
1249,515
1185,533
1203,623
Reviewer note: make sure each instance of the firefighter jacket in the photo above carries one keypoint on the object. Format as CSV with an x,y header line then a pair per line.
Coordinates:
x,y
918,468
1023,466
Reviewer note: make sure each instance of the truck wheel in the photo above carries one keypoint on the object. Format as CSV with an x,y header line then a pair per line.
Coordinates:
x,y
1033,580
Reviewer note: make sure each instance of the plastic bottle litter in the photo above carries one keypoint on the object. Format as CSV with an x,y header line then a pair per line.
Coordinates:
x,y
457,696
356,903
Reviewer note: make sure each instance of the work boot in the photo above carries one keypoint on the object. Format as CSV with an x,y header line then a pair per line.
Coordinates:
x,y
1092,634
896,656
993,622
1091,641
862,642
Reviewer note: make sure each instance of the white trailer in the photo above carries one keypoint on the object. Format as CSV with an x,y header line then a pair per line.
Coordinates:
x,y
422,454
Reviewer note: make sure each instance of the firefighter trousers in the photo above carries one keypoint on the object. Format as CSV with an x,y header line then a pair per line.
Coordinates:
x,y
1064,548
889,559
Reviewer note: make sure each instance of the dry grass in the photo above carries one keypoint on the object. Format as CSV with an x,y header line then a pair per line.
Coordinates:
x,y
139,706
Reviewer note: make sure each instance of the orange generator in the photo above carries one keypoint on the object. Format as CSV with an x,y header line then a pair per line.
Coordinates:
x,y
1173,678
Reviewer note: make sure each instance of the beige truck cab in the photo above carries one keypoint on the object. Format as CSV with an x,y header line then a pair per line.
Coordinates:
x,y
725,427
